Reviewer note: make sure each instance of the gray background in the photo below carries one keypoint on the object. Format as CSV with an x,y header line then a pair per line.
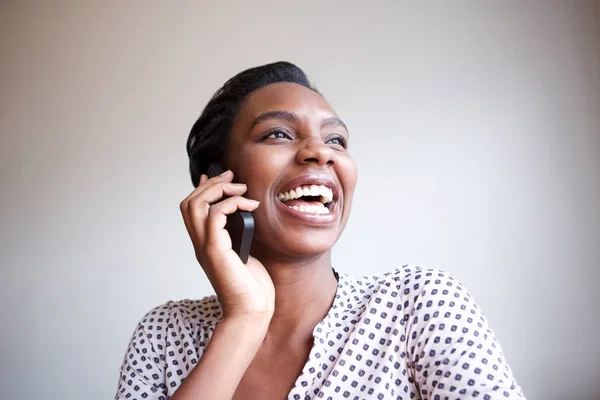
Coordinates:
x,y
475,126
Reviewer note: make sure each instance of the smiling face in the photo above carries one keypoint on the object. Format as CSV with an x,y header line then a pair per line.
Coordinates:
x,y
289,147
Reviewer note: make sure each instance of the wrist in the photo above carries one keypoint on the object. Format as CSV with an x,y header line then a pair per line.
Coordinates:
x,y
252,328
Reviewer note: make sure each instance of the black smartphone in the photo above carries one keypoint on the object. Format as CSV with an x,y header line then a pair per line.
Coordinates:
x,y
240,224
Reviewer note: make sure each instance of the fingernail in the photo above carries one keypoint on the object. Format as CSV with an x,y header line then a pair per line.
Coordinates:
x,y
226,172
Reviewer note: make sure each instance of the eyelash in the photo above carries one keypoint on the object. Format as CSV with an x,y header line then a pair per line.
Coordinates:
x,y
273,132
342,141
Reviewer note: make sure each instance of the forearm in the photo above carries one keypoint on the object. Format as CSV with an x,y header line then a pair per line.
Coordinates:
x,y
224,362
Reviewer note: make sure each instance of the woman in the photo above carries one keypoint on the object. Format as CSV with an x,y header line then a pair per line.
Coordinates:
x,y
286,325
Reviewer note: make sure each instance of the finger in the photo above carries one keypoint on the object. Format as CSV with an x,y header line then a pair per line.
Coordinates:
x,y
233,204
184,203
205,184
218,213
198,207
217,191
226,176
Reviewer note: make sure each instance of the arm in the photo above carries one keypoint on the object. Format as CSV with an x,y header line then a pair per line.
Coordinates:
x,y
246,296
451,349
245,291
224,362
232,346
141,376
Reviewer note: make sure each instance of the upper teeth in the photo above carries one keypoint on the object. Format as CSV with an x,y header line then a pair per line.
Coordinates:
x,y
325,193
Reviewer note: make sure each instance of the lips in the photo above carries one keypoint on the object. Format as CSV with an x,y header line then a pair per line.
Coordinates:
x,y
314,194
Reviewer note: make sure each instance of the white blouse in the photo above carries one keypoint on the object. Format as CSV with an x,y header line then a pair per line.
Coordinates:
x,y
408,334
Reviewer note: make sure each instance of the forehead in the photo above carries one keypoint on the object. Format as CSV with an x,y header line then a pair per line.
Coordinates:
x,y
284,96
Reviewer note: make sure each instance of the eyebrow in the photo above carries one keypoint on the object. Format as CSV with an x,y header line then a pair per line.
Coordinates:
x,y
333,121
291,117
285,115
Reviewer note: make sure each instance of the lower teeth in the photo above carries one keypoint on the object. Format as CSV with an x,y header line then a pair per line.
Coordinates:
x,y
311,209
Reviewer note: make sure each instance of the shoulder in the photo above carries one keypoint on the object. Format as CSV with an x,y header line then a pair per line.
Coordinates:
x,y
167,341
180,315
440,325
411,293
411,278
406,282
173,326
427,304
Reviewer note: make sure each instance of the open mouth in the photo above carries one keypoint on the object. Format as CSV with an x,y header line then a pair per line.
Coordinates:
x,y
310,199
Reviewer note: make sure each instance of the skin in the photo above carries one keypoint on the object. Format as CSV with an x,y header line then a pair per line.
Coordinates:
x,y
272,304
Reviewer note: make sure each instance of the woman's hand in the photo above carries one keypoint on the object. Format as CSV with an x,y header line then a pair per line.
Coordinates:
x,y
245,292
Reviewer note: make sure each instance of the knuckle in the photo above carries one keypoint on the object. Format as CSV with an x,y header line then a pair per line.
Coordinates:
x,y
214,210
193,203
183,205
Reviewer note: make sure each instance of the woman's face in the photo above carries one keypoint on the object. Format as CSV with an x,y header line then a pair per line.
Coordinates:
x,y
289,147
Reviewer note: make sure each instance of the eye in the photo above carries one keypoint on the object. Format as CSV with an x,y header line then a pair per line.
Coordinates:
x,y
338,141
276,134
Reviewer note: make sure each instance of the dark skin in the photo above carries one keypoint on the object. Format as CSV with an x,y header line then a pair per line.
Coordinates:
x,y
264,164
296,255
283,133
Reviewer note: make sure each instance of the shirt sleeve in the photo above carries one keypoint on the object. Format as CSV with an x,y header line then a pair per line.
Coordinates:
x,y
451,349
142,373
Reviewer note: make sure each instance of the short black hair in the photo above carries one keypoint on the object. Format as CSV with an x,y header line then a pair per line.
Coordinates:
x,y
207,140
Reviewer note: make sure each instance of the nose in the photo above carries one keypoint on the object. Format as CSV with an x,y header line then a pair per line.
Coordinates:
x,y
314,151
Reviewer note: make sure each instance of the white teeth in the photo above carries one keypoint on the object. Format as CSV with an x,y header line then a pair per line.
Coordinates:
x,y
311,209
325,193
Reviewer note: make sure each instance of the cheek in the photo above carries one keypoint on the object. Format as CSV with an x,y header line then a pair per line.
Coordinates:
x,y
259,169
348,178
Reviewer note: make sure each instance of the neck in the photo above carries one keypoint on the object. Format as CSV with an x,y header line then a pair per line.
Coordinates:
x,y
304,293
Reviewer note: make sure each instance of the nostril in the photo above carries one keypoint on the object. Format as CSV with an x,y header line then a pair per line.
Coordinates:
x,y
311,159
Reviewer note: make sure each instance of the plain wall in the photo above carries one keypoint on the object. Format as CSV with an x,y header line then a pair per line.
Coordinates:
x,y
475,126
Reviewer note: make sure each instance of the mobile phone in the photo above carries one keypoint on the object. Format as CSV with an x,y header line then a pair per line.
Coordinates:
x,y
240,224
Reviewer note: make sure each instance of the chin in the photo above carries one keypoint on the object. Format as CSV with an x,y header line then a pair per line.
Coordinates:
x,y
310,248
299,244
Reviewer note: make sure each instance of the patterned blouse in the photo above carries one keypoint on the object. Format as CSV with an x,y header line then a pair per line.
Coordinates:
x,y
411,333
